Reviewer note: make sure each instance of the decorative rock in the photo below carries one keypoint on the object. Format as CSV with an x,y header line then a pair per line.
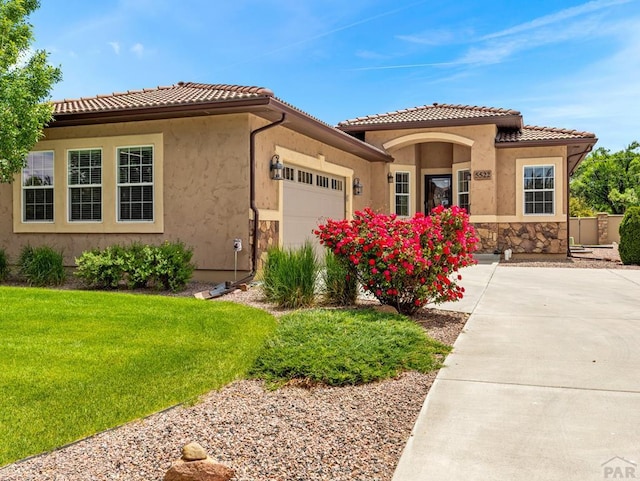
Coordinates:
x,y
196,465
202,470
193,452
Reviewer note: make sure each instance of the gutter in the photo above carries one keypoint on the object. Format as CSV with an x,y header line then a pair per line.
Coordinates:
x,y
252,197
228,286
585,152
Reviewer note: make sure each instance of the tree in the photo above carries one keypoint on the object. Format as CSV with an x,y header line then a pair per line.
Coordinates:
x,y
578,207
25,83
609,182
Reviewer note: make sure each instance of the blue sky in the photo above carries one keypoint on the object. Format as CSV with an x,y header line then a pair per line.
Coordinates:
x,y
570,64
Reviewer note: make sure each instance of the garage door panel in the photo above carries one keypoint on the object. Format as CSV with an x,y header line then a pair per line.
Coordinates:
x,y
305,207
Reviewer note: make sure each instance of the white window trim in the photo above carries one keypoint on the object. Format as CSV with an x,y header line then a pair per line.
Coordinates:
x,y
462,192
31,187
136,184
76,186
411,169
553,190
407,195
559,197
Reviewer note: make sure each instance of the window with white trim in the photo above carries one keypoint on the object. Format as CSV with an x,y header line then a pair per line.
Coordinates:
x,y
37,187
539,189
305,177
402,193
464,176
322,181
288,173
135,184
85,185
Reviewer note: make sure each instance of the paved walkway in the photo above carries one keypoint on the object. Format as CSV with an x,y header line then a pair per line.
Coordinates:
x,y
543,384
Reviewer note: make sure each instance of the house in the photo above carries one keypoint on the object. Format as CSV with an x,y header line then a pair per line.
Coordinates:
x,y
209,164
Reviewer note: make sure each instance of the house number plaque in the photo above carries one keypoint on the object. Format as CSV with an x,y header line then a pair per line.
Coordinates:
x,y
481,174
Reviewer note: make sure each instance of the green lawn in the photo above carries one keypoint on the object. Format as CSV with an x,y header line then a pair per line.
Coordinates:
x,y
73,363
346,346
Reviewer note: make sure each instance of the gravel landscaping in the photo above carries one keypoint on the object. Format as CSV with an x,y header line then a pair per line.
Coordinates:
x,y
293,433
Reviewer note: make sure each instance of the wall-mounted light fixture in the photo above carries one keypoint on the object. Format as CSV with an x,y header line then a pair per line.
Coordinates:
x,y
390,178
357,186
276,168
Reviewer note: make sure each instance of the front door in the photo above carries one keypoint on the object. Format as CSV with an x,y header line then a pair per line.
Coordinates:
x,y
437,189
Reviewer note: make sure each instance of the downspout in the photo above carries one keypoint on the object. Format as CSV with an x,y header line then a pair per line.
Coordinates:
x,y
588,149
252,198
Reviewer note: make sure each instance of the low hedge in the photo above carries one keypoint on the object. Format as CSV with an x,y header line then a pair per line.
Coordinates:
x,y
166,266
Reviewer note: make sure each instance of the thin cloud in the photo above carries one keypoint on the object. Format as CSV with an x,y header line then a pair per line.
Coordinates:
x,y
116,47
560,16
500,46
138,49
437,37
497,50
405,66
332,31
369,55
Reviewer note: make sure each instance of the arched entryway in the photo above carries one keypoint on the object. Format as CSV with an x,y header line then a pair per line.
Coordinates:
x,y
431,169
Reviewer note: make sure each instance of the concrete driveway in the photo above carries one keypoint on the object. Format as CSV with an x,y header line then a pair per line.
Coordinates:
x,y
543,384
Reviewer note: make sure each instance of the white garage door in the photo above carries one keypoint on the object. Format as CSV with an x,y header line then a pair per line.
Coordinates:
x,y
309,199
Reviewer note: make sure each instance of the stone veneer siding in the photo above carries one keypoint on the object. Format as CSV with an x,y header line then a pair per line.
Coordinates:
x,y
523,237
268,236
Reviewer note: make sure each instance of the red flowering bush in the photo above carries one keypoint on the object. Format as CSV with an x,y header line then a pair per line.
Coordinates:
x,y
405,263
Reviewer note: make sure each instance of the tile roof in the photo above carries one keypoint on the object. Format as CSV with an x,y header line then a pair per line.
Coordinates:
x,y
426,113
532,133
179,94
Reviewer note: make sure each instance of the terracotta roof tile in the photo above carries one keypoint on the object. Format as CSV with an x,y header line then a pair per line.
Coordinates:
x,y
533,133
178,94
426,113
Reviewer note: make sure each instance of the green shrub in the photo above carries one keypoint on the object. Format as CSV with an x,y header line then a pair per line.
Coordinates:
x,y
41,266
4,265
173,267
289,276
139,265
101,268
346,347
629,247
340,283
167,266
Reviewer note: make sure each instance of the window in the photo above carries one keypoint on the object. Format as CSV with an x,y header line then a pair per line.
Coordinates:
x,y
463,189
539,189
322,181
85,185
37,188
135,184
288,173
402,193
336,184
305,177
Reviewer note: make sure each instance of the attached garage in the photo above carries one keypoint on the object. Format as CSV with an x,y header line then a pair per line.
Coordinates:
x,y
310,197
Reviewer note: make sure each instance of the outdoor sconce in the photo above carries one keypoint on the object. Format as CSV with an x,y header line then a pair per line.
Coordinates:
x,y
357,186
390,178
276,168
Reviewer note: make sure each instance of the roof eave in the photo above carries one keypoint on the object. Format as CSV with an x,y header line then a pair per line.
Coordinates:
x,y
159,112
501,121
307,125
262,105
544,143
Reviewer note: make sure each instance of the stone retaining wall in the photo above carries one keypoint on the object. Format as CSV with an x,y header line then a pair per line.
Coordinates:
x,y
523,237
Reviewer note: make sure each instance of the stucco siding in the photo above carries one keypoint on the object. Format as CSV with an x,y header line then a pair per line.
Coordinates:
x,y
204,194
